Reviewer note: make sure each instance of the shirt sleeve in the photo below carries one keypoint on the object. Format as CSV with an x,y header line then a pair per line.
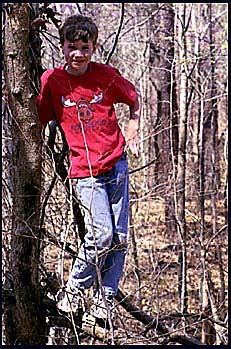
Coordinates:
x,y
123,90
44,101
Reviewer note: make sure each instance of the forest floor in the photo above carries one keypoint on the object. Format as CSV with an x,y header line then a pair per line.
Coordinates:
x,y
151,272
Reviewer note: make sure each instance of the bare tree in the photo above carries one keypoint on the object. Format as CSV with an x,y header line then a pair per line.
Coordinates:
x,y
29,324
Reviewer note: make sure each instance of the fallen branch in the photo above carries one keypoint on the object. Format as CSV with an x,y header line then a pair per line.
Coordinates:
x,y
140,315
96,329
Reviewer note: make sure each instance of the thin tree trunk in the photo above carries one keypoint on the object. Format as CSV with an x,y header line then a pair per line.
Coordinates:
x,y
181,169
201,184
26,176
203,286
215,179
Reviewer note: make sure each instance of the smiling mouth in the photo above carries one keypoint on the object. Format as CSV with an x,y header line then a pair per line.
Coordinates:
x,y
78,62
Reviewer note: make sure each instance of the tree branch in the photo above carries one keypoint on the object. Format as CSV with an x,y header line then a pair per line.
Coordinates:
x,y
117,34
140,315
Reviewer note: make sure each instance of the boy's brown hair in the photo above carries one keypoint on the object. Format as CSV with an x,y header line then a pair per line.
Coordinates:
x,y
78,27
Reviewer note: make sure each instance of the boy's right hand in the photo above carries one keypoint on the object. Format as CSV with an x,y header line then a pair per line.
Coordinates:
x,y
132,137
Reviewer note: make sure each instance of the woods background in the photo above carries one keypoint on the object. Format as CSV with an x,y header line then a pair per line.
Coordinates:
x,y
174,288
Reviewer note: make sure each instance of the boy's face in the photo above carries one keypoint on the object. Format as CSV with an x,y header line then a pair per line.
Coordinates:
x,y
77,55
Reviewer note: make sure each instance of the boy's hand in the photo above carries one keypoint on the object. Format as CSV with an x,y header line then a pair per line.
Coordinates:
x,y
132,137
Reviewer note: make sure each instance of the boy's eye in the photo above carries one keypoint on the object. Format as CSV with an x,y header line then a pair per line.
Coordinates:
x,y
85,48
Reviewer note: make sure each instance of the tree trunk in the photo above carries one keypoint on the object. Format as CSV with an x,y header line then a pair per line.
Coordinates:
x,y
161,58
26,177
215,178
181,169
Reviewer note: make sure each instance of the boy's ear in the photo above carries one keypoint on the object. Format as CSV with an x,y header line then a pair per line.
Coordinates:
x,y
61,47
96,46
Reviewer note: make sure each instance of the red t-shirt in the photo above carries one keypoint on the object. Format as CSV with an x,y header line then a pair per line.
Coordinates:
x,y
83,105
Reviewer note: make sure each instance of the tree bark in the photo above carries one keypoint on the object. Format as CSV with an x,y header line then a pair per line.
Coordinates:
x,y
215,181
161,58
181,168
26,176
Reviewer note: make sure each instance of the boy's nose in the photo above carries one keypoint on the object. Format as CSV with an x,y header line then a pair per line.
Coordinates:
x,y
78,53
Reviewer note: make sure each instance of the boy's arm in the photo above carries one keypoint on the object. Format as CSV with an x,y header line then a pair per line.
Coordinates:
x,y
44,101
131,135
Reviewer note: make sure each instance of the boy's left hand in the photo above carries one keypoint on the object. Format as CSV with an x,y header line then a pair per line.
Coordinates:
x,y
132,137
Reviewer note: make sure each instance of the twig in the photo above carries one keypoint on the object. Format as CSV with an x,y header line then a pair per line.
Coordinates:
x,y
117,34
143,167
45,201
78,7
153,14
45,36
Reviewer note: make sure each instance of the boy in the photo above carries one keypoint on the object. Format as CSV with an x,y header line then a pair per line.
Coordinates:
x,y
80,96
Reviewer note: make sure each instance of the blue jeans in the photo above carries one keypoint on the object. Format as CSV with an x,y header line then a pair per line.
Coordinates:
x,y
105,199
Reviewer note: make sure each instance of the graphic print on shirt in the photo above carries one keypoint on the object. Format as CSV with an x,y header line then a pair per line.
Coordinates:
x,y
83,107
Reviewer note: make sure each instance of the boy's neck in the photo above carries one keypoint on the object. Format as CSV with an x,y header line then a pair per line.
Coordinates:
x,y
75,72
